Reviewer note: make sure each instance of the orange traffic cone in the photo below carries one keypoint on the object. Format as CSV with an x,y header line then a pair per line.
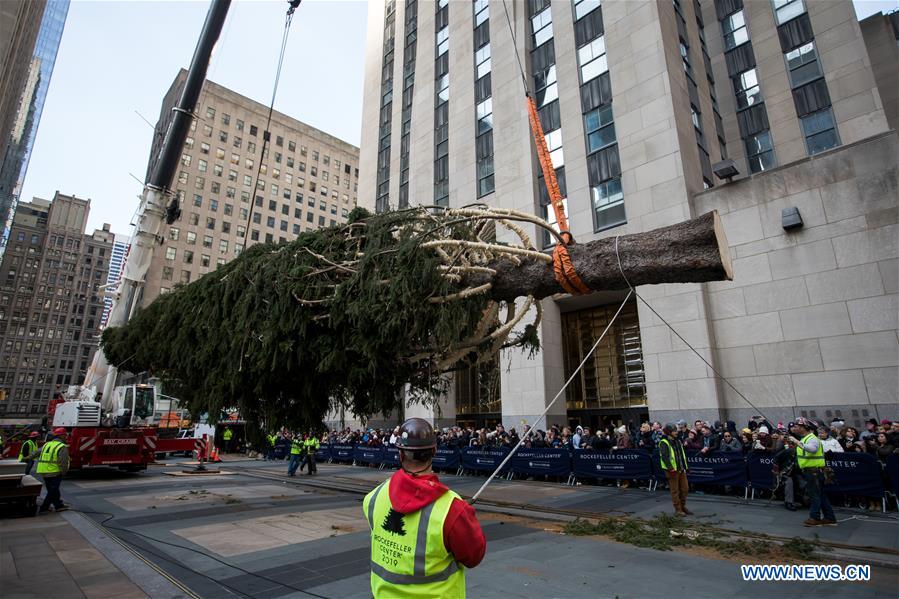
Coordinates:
x,y
214,455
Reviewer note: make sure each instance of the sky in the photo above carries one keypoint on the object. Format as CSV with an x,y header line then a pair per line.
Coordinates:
x,y
118,58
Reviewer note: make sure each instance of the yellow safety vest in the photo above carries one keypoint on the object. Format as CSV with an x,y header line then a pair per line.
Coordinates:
x,y
28,447
810,460
227,434
311,444
408,557
665,443
46,463
295,447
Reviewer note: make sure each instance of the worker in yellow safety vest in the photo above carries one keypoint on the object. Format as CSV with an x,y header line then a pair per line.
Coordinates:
x,y
673,460
810,459
423,535
28,448
310,445
227,436
296,452
52,464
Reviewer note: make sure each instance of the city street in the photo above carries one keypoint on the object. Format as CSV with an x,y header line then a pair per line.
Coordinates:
x,y
254,533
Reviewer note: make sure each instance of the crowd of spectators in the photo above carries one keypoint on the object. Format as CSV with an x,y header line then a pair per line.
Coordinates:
x,y
878,438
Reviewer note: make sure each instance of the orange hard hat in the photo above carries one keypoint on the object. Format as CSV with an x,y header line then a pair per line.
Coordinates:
x,y
59,431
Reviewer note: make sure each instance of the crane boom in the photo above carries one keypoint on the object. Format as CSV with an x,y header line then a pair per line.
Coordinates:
x,y
158,203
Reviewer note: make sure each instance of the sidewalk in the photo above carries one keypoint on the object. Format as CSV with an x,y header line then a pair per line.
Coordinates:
x,y
857,527
47,556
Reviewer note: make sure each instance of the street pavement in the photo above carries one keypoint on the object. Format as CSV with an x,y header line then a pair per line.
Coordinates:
x,y
236,535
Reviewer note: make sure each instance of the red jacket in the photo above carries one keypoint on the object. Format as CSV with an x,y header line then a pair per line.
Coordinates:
x,y
462,534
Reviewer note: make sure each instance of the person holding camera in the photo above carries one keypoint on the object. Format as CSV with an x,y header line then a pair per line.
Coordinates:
x,y
810,459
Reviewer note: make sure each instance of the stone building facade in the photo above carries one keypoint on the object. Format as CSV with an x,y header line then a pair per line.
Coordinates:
x,y
639,99
307,179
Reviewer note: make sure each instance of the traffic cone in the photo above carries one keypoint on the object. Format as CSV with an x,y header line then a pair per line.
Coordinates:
x,y
214,455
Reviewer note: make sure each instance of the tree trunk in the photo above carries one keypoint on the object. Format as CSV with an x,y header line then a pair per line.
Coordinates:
x,y
693,251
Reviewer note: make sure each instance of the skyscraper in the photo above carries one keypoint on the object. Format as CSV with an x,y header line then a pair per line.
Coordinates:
x,y
51,302
120,249
25,80
639,101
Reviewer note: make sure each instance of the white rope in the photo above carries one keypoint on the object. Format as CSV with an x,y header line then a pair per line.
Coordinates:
x,y
558,395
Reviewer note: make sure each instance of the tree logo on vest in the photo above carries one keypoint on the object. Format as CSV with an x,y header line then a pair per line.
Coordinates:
x,y
393,523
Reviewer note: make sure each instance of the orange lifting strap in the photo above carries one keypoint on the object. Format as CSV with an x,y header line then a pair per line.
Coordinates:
x,y
562,266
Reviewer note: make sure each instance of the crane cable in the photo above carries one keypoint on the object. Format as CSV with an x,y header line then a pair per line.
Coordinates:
x,y
563,268
266,134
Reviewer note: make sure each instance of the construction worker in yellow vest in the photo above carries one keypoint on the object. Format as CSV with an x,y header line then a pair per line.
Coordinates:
x,y
673,460
28,448
227,436
310,445
423,535
296,453
52,464
810,459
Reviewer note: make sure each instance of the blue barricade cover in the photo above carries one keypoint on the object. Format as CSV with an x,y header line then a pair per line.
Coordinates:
x,y
323,453
892,467
483,459
368,455
280,452
624,464
342,452
391,457
758,469
445,458
855,474
540,461
716,468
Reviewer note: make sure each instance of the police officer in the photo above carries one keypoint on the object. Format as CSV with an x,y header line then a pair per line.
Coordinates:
x,y
296,452
310,445
28,448
52,464
674,462
810,459
423,535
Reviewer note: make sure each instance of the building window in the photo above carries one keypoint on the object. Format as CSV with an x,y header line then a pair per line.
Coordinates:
x,y
786,10
204,260
210,112
174,232
820,131
600,128
614,375
803,65
223,246
592,59
760,152
746,88
170,253
735,32
583,7
188,257
608,204
207,241
239,125
542,25
191,238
